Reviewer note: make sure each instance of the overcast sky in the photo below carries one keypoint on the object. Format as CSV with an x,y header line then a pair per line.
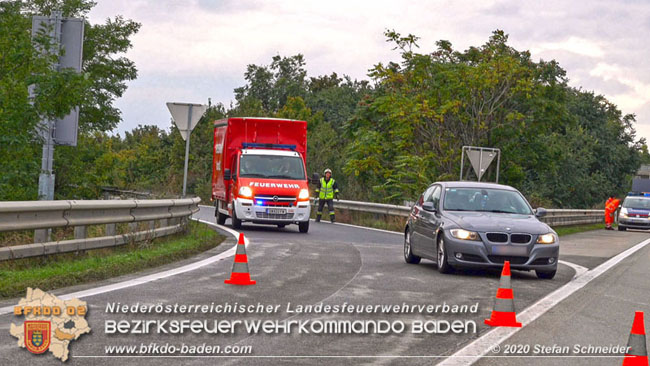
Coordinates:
x,y
189,51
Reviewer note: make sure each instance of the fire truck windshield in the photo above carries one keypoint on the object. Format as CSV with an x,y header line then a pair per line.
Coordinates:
x,y
271,166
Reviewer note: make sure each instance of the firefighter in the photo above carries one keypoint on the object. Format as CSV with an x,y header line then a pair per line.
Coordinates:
x,y
610,210
328,189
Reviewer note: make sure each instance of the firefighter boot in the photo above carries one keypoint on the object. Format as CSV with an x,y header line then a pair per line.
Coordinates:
x,y
318,217
332,218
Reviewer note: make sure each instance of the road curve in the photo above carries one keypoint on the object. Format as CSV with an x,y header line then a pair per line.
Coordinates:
x,y
332,264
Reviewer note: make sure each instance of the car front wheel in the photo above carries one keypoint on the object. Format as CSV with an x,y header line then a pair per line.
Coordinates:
x,y
409,257
443,264
236,223
545,275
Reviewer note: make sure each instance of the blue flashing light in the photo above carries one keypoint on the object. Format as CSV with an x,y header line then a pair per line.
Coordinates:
x,y
639,194
259,203
247,145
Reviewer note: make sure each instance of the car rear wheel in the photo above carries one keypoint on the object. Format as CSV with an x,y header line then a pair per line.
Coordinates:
x,y
443,264
303,227
546,275
621,228
409,257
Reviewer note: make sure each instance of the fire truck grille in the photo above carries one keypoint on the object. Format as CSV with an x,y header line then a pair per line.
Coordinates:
x,y
264,215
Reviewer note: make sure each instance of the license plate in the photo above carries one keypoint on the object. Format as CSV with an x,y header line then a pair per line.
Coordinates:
x,y
509,250
276,211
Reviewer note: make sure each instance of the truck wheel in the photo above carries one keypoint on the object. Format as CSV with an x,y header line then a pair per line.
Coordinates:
x,y
303,226
621,228
221,218
236,223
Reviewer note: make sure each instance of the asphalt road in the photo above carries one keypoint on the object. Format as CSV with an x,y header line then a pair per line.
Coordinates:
x,y
332,264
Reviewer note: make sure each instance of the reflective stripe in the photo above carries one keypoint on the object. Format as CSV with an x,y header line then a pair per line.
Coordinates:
x,y
637,342
504,282
241,249
504,305
239,267
332,212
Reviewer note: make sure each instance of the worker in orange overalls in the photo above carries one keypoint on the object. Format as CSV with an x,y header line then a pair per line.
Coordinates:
x,y
610,210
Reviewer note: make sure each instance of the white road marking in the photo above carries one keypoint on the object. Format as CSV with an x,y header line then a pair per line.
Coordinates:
x,y
580,270
473,351
152,277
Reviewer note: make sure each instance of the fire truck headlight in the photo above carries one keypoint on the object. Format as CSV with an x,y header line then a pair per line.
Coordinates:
x,y
246,192
304,194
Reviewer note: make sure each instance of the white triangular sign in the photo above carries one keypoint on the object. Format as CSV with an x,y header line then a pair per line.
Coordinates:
x,y
480,164
180,114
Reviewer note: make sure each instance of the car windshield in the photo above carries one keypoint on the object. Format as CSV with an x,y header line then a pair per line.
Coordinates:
x,y
485,200
637,202
271,166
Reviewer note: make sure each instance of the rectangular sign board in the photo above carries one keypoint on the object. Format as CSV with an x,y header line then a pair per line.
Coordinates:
x,y
71,43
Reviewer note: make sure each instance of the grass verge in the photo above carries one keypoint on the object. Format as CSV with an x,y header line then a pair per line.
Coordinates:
x,y
574,229
69,269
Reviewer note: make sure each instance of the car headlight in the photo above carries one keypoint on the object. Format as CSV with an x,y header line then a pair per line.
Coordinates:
x,y
246,192
304,194
623,213
464,234
546,239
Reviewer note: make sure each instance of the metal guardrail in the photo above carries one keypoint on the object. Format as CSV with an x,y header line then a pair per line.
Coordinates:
x,y
44,215
554,217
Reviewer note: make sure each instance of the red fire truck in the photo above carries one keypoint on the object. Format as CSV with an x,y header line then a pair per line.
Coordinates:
x,y
259,173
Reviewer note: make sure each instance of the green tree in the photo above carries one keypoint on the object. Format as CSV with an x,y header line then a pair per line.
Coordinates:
x,y
54,94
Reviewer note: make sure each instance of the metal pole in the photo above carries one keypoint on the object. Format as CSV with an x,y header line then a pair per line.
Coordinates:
x,y
46,177
462,162
498,163
187,148
480,164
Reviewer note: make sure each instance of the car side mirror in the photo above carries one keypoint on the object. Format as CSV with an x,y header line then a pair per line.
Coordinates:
x,y
540,212
429,206
226,174
315,178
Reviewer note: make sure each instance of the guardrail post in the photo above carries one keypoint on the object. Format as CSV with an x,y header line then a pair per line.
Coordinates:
x,y
42,235
80,232
152,225
133,227
111,229
164,222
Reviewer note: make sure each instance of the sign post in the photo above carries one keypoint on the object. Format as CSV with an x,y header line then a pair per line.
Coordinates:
x,y
67,35
186,116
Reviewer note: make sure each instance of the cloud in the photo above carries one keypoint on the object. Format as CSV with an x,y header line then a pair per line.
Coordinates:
x,y
199,49
573,44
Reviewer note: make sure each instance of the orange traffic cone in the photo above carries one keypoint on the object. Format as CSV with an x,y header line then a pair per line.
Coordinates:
x,y
240,274
503,314
637,354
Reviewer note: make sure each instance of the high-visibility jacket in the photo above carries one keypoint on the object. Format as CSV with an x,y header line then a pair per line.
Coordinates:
x,y
327,189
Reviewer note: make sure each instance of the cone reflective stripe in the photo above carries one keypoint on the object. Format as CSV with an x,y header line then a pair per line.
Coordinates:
x,y
240,274
637,354
503,314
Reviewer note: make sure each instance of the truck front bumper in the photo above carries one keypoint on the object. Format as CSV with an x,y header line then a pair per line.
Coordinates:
x,y
246,210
